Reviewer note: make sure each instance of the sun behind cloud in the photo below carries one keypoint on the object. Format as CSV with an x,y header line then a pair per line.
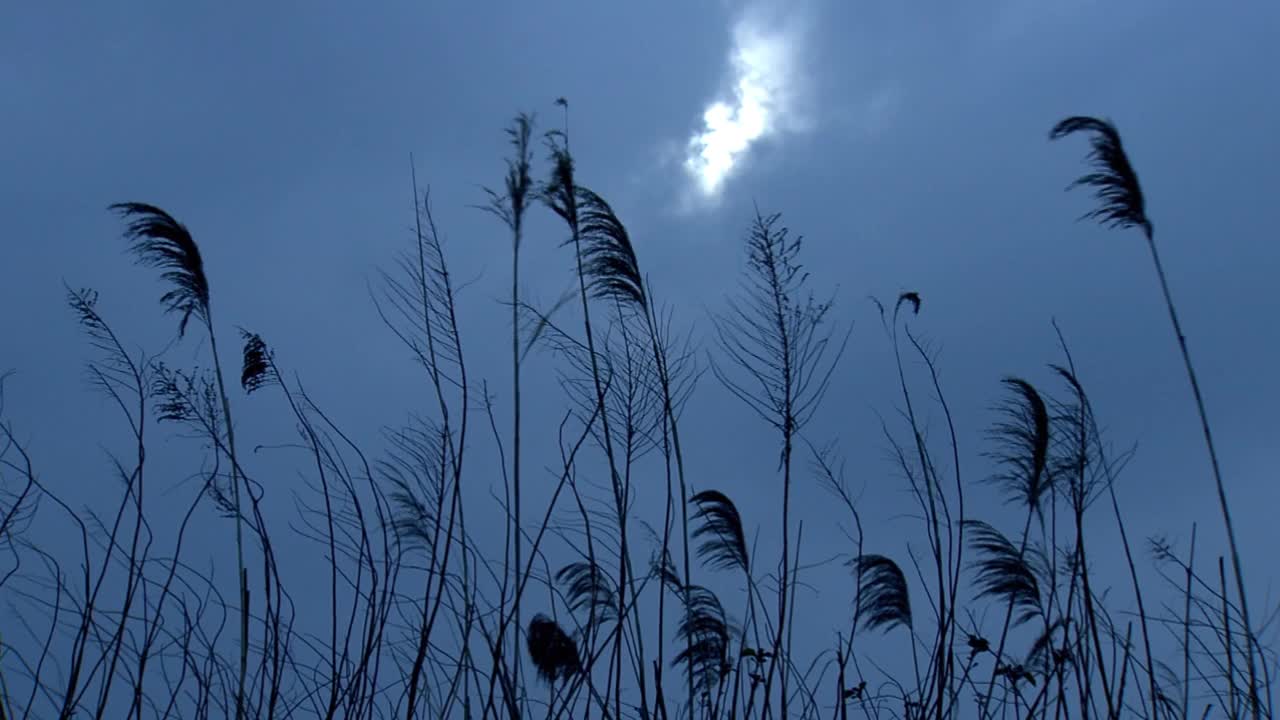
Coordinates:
x,y
759,103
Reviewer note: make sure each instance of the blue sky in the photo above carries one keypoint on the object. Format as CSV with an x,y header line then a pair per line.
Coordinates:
x,y
906,142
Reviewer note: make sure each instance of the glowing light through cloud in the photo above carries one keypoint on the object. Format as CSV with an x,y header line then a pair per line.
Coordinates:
x,y
759,105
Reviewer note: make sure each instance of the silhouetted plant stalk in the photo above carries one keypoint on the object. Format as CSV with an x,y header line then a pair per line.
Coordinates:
x,y
194,401
162,242
776,342
424,301
350,680
1186,627
510,207
1078,443
419,619
670,378
118,375
16,513
1122,205
944,659
17,510
1022,456
927,488
948,562
606,268
1108,471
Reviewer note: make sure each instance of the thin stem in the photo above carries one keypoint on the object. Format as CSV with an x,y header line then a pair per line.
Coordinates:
x,y
1236,566
242,573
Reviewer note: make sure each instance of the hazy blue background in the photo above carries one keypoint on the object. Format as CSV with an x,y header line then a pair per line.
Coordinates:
x,y
917,159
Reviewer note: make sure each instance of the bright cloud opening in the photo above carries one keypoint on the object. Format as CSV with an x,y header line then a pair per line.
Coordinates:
x,y
759,104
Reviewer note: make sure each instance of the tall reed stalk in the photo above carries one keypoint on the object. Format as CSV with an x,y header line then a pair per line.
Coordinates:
x,y
160,241
1122,205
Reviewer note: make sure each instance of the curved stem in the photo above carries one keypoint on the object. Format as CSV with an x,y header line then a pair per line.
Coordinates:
x,y
242,573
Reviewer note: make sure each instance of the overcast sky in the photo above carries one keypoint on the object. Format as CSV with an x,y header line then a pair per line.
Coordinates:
x,y
906,141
